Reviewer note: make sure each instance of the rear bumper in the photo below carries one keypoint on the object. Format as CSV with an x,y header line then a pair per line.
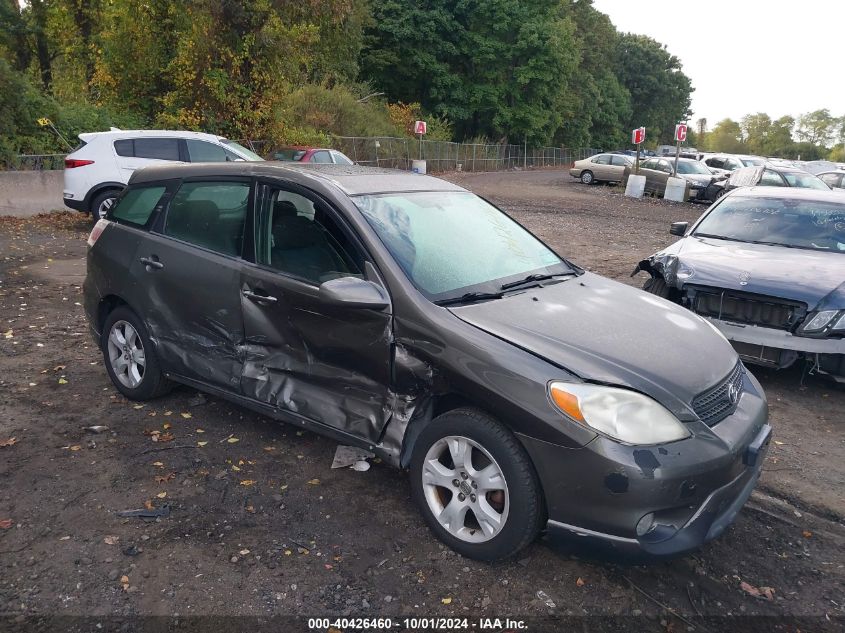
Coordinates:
x,y
709,520
76,205
575,173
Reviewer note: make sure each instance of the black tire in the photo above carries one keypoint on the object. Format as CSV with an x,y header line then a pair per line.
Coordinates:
x,y
526,511
656,286
99,205
152,383
587,177
721,192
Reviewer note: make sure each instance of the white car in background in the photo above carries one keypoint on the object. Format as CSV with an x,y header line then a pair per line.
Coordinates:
x,y
98,169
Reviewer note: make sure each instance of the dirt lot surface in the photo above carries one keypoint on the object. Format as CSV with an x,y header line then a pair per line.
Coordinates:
x,y
259,525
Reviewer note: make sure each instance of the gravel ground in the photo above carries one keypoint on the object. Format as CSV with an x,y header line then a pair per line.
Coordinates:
x,y
260,525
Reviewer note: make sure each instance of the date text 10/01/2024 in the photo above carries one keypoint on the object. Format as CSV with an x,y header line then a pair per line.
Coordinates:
x,y
415,624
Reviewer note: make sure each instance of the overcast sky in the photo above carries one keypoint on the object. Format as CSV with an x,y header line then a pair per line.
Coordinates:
x,y
746,56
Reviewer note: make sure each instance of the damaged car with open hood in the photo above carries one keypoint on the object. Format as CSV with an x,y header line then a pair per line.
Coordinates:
x,y
404,315
766,266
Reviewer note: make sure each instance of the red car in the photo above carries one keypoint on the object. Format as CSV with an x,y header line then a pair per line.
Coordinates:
x,y
312,155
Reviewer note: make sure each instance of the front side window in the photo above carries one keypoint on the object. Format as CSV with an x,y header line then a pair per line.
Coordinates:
x,y
204,152
449,243
692,167
210,214
804,180
304,240
651,163
321,157
622,161
718,163
771,179
797,223
832,180
137,205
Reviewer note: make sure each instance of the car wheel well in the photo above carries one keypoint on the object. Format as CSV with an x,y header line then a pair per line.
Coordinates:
x,y
107,305
100,189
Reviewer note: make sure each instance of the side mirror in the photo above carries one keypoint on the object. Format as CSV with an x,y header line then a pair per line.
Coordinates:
x,y
352,292
679,228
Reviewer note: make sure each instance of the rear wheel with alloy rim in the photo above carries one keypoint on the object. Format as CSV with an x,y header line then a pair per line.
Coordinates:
x,y
102,204
130,359
475,485
587,177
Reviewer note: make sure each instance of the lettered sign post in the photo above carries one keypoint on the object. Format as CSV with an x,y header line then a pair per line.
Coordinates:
x,y
420,128
680,137
637,138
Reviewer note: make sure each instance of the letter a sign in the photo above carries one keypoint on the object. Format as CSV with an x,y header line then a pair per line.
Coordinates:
x,y
419,127
681,132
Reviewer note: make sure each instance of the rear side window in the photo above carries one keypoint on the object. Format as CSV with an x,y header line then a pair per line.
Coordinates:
x,y
210,214
137,205
604,159
155,148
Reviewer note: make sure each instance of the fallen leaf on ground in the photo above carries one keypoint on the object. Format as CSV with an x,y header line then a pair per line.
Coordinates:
x,y
186,415
269,449
75,447
161,495
62,381
111,540
807,534
235,468
579,582
158,464
247,482
778,443
124,580
58,368
763,592
166,425
288,552
64,538
8,333
9,442
168,413
313,482
200,431
327,566
232,440
166,437
5,524
244,552
148,504
250,509
138,406
201,443
162,479
446,601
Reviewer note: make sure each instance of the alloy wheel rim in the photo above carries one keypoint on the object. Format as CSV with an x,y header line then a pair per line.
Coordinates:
x,y
126,354
104,207
465,489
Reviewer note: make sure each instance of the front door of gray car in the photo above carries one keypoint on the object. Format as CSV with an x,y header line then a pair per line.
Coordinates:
x,y
327,363
190,273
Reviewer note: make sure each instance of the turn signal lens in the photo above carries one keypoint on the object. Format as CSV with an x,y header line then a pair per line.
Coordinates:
x,y
568,403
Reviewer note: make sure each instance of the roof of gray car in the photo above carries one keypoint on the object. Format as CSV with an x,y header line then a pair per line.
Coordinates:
x,y
351,179
791,193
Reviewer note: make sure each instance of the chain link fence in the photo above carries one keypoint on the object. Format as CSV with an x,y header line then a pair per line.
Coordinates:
x,y
392,152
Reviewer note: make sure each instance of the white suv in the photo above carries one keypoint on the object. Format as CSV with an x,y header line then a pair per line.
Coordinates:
x,y
98,169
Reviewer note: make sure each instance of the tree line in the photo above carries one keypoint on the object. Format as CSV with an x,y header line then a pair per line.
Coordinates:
x,y
545,72
811,136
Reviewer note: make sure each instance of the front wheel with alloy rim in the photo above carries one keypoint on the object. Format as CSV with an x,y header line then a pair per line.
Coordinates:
x,y
587,177
129,356
102,204
475,485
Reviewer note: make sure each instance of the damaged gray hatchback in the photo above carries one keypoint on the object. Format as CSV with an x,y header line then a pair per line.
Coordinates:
x,y
405,315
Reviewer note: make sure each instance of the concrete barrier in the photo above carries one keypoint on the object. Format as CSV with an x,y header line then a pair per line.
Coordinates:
x,y
27,193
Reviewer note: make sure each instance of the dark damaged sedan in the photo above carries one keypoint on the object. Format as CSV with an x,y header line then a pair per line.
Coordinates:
x,y
766,265
405,315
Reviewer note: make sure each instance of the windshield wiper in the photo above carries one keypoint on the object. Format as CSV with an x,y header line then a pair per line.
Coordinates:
x,y
470,297
533,278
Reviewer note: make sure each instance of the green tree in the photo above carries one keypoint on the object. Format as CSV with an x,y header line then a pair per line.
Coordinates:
x,y
726,136
816,128
660,91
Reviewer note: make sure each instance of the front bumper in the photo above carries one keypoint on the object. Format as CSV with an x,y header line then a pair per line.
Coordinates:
x,y
708,521
680,494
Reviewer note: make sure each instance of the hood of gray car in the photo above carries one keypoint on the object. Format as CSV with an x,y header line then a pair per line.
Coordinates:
x,y
699,179
607,332
815,277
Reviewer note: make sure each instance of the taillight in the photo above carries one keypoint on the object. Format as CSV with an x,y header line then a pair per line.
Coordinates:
x,y
70,163
97,231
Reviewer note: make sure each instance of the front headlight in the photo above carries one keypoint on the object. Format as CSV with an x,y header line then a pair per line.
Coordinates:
x,y
824,320
624,415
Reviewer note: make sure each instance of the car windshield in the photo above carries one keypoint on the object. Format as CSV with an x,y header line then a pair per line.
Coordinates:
x,y
247,153
453,243
805,180
785,222
752,162
692,167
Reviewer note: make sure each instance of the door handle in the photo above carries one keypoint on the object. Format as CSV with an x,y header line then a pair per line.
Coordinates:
x,y
258,298
149,262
